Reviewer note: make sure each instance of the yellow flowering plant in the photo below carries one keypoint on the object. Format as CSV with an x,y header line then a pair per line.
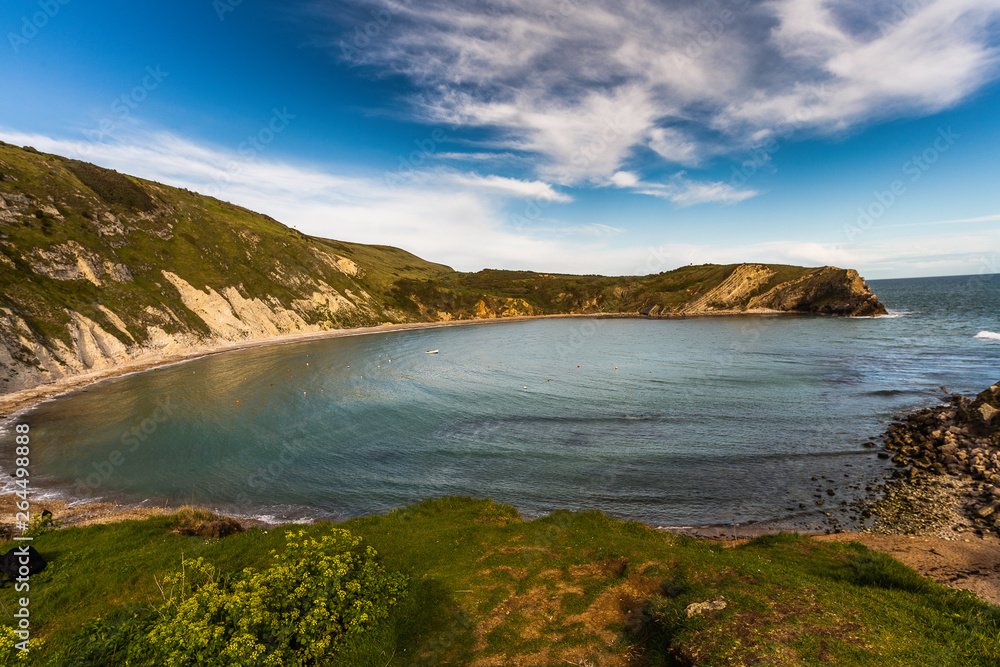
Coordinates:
x,y
299,612
10,654
295,613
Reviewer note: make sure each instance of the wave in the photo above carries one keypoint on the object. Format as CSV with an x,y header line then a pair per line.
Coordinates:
x,y
892,315
893,392
988,335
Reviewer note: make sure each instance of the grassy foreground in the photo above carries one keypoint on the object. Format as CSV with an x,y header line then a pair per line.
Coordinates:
x,y
571,588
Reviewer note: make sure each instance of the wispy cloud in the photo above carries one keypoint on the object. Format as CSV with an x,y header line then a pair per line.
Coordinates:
x,y
682,190
585,86
500,185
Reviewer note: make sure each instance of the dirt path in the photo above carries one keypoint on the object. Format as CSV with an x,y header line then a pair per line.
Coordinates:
x,y
971,563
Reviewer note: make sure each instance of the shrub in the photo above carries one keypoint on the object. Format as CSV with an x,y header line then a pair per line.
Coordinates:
x,y
41,524
201,523
299,612
112,187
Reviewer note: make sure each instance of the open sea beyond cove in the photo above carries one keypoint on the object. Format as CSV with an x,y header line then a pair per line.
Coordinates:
x,y
676,422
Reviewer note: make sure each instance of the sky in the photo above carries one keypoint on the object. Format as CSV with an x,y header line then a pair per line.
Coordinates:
x,y
610,137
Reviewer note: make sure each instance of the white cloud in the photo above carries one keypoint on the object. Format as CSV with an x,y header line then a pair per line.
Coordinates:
x,y
510,187
682,190
460,219
624,179
583,85
673,146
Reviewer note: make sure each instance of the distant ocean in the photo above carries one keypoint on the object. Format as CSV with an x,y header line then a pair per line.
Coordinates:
x,y
673,422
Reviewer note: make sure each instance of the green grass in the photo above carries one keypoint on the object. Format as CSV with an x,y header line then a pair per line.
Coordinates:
x,y
564,588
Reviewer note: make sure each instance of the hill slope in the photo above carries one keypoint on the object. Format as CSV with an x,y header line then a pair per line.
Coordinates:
x,y
98,268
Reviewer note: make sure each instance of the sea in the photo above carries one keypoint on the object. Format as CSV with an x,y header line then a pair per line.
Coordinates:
x,y
709,421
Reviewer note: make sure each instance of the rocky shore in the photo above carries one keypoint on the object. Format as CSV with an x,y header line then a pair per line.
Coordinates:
x,y
947,476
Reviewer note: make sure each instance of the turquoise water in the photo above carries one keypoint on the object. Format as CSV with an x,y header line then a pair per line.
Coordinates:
x,y
673,422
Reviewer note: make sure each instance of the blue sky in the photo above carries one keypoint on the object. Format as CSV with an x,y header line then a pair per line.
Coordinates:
x,y
611,136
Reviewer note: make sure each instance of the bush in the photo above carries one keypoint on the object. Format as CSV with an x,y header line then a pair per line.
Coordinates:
x,y
201,523
297,613
112,187
41,524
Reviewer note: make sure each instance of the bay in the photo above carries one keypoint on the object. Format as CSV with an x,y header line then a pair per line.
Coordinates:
x,y
673,422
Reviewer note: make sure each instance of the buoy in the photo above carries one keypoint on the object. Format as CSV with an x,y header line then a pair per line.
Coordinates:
x,y
237,402
616,368
578,365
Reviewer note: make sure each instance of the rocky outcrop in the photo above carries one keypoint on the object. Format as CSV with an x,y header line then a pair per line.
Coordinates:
x,y
734,291
959,440
827,290
71,261
488,308
756,288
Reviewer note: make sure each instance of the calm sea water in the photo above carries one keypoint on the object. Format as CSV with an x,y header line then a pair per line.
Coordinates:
x,y
673,422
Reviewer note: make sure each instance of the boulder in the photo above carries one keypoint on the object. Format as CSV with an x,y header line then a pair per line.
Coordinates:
x,y
987,412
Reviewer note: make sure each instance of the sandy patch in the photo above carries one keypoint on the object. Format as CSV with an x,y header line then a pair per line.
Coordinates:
x,y
971,563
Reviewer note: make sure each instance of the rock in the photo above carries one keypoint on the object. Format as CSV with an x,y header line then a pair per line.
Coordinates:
x,y
987,412
698,608
988,510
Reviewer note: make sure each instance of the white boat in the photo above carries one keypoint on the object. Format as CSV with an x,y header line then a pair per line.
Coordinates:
x,y
431,352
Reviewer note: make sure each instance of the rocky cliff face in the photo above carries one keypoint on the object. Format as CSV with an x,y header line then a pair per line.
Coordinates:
x,y
488,308
827,290
98,269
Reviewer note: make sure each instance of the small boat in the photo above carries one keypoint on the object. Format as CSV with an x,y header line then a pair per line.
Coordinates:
x,y
431,352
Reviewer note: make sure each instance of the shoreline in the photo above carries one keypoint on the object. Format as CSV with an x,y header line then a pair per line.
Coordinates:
x,y
967,562
14,403
17,402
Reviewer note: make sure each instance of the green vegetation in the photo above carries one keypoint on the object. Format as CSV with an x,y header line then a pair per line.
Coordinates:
x,y
300,611
487,587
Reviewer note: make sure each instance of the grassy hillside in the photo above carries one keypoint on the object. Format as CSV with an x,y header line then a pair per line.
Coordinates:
x,y
98,268
486,588
120,220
